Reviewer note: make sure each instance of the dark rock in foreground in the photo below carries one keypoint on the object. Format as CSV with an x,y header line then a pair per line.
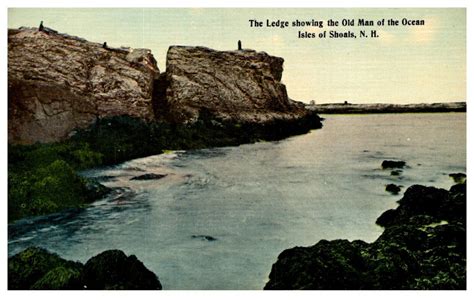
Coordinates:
x,y
113,270
393,164
36,268
423,246
149,176
437,204
326,265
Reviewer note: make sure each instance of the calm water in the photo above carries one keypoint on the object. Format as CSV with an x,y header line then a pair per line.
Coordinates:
x,y
255,200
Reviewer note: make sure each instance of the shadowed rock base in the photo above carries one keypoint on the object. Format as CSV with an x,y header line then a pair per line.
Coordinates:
x,y
423,246
36,268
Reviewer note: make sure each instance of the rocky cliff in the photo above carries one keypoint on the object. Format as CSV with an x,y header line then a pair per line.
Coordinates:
x,y
57,83
242,86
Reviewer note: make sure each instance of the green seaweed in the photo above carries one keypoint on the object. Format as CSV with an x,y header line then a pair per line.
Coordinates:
x,y
28,268
42,178
35,268
59,278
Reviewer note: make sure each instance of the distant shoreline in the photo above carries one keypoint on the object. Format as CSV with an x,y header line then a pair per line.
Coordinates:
x,y
350,108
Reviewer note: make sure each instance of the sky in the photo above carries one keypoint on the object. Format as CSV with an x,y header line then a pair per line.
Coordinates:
x,y
405,64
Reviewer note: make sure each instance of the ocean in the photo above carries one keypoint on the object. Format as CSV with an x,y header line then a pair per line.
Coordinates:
x,y
221,216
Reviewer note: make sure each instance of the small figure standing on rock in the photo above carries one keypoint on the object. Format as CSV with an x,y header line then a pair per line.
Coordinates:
x,y
104,45
41,27
239,45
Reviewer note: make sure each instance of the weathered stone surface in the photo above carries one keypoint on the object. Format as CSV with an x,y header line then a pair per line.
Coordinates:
x,y
57,83
242,86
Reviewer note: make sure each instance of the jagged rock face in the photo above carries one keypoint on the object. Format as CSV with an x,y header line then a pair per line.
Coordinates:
x,y
57,83
242,86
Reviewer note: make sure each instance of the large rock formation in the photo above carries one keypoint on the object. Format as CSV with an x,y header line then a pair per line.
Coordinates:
x,y
423,246
241,86
57,83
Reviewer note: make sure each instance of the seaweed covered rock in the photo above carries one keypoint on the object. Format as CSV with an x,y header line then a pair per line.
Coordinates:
x,y
423,246
46,188
326,265
113,270
37,268
419,200
59,278
458,177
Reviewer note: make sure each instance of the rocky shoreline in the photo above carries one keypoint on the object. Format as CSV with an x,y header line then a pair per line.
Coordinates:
x,y
42,178
37,269
76,105
423,246
72,83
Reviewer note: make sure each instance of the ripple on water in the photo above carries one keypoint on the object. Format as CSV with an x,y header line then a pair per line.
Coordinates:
x,y
256,200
